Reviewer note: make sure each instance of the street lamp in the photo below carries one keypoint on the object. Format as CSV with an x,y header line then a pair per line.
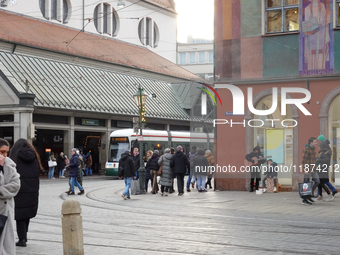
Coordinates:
x,y
140,98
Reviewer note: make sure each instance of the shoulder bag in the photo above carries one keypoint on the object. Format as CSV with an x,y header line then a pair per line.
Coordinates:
x,y
159,173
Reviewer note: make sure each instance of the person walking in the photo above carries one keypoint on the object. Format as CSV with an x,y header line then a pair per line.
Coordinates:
x,y
74,173
136,161
51,167
127,172
201,166
88,163
26,201
190,157
166,175
147,171
172,190
154,167
61,165
9,187
308,163
257,159
211,161
180,164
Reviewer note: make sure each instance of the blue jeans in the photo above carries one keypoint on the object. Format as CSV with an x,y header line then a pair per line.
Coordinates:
x,y
189,179
73,182
127,186
330,186
88,171
61,173
200,182
51,172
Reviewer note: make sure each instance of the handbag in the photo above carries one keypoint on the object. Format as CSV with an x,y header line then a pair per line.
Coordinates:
x,y
159,173
3,220
135,189
306,189
52,163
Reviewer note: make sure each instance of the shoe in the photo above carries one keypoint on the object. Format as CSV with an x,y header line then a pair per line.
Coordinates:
x,y
81,192
204,190
162,194
128,197
210,187
21,243
166,194
71,193
124,197
320,198
172,191
188,190
180,194
264,190
251,190
153,193
310,200
334,192
274,189
305,202
61,176
330,198
192,185
52,178
67,191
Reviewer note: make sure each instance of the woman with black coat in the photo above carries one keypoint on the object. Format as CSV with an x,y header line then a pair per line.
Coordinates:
x,y
27,199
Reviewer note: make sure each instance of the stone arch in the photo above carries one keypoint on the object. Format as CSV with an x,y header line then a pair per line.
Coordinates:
x,y
326,104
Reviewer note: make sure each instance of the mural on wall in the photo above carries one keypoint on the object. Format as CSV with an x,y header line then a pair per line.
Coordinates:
x,y
316,38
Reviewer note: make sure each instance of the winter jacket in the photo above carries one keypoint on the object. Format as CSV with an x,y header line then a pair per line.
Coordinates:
x,y
154,162
147,169
166,169
201,164
211,161
323,160
271,170
308,157
9,187
256,169
126,163
136,161
190,157
27,199
74,165
88,161
61,163
180,162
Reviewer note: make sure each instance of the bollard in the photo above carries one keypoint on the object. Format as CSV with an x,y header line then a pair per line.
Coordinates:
x,y
72,228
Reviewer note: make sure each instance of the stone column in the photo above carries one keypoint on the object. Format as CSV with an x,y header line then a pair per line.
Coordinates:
x,y
69,138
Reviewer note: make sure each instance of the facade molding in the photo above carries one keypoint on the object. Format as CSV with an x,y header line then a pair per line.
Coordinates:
x,y
324,110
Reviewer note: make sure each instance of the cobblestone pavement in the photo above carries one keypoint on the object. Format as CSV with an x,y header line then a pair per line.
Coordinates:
x,y
196,223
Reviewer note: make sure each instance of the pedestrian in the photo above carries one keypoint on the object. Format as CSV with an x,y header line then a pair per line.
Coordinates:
x,y
74,173
136,162
308,163
127,172
81,164
147,171
166,176
26,201
61,164
211,161
88,163
154,170
172,190
322,138
51,165
190,158
201,166
271,173
256,158
180,164
323,161
9,187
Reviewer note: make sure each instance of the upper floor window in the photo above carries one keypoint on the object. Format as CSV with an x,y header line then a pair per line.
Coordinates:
x,y
106,19
59,10
192,57
211,57
282,16
148,32
201,58
182,58
338,10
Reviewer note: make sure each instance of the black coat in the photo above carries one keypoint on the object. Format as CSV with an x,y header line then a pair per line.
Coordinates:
x,y
201,164
27,199
154,162
126,162
180,162
323,161
61,163
136,161
74,165
272,170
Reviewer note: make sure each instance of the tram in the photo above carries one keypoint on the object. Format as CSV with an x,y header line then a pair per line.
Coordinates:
x,y
126,139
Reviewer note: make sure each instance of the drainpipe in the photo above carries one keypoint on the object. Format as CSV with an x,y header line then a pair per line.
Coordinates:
x,y
83,15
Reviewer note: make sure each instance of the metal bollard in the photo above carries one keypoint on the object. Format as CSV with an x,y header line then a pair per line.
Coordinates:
x,y
72,227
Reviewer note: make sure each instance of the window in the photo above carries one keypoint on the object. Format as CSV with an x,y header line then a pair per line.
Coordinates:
x,y
211,57
59,10
201,59
183,58
192,58
106,19
282,16
338,9
148,32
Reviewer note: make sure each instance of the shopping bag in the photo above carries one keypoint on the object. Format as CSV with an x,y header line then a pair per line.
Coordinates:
x,y
52,163
3,220
135,189
306,189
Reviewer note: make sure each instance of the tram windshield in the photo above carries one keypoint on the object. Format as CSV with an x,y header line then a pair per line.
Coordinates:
x,y
117,146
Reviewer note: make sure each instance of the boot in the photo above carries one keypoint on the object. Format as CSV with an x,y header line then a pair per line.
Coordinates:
x,y
21,243
81,192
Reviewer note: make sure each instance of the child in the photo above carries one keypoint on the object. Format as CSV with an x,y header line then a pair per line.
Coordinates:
x,y
270,173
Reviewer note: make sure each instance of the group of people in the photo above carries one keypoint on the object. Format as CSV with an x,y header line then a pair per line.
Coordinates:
x,y
173,164
61,163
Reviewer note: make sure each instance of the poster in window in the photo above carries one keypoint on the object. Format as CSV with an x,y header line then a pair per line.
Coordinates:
x,y
275,145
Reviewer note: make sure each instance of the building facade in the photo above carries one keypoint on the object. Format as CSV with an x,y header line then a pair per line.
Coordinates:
x,y
283,44
148,23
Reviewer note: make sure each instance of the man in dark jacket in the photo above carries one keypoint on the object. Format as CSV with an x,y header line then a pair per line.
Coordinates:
x,y
154,167
127,171
323,161
270,173
257,159
190,157
201,166
74,172
180,163
136,161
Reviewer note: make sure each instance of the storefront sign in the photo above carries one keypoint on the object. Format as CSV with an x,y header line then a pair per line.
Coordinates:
x,y
88,122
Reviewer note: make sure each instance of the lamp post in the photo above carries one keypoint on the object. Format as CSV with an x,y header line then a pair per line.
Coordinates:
x,y
140,98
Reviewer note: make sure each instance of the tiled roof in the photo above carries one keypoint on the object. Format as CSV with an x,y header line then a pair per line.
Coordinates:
x,y
44,35
168,4
67,86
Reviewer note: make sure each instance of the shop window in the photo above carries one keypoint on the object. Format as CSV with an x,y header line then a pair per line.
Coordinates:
x,y
45,118
148,32
59,10
106,19
282,16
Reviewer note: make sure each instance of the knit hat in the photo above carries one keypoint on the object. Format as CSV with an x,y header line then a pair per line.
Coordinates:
x,y
156,152
321,138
